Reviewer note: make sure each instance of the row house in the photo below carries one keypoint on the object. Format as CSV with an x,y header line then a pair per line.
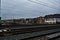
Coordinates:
x,y
40,20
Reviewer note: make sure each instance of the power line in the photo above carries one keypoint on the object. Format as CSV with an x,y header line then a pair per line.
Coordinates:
x,y
44,4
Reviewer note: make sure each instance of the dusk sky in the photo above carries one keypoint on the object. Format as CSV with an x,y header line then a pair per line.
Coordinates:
x,y
28,8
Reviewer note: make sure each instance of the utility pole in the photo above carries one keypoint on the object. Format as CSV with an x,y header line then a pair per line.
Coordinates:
x,y
0,21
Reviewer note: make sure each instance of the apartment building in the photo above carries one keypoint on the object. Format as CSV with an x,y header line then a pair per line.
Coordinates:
x,y
52,19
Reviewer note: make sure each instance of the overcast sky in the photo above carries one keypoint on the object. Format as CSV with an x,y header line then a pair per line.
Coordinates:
x,y
28,8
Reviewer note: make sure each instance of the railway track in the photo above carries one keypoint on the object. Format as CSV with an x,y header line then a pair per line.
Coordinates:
x,y
28,26
29,29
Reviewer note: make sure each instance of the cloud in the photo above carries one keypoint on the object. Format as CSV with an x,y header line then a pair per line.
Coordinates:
x,y
25,8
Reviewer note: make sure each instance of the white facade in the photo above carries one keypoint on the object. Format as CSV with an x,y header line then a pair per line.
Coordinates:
x,y
50,20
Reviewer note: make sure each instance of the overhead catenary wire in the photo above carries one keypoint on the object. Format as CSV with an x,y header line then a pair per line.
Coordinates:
x,y
49,2
44,4
57,1
54,2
